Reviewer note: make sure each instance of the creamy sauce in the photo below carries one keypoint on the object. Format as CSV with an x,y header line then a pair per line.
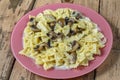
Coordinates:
x,y
61,67
98,28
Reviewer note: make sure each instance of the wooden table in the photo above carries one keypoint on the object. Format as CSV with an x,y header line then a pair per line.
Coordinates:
x,y
12,10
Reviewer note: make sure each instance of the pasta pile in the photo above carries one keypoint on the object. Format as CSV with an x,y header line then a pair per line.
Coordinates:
x,y
63,37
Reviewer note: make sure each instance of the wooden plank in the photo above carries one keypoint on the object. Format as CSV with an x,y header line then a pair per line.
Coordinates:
x,y
10,12
110,70
89,3
45,2
110,9
26,75
19,73
89,76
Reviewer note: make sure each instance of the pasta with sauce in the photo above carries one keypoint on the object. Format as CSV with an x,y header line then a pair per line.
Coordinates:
x,y
62,38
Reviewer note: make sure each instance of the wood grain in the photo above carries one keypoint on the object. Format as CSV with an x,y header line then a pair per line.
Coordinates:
x,y
19,73
10,12
110,10
89,3
45,2
110,70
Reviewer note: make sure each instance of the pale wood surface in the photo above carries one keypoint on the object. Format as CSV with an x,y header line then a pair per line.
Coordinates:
x,y
110,69
10,12
13,10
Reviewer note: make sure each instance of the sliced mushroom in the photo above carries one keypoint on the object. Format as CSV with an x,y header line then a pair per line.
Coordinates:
x,y
34,28
70,23
36,48
49,43
74,13
41,47
60,35
73,20
76,30
31,19
77,15
73,57
79,30
52,35
71,33
66,20
33,24
75,46
52,25
61,21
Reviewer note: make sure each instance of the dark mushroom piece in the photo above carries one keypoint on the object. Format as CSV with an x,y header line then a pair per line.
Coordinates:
x,y
75,46
71,33
73,20
41,47
60,35
31,19
49,43
34,28
77,15
70,23
73,57
61,21
66,20
52,35
52,25
79,30
75,31
32,23
36,48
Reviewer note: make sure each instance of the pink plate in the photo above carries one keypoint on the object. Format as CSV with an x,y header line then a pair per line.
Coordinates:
x,y
16,43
